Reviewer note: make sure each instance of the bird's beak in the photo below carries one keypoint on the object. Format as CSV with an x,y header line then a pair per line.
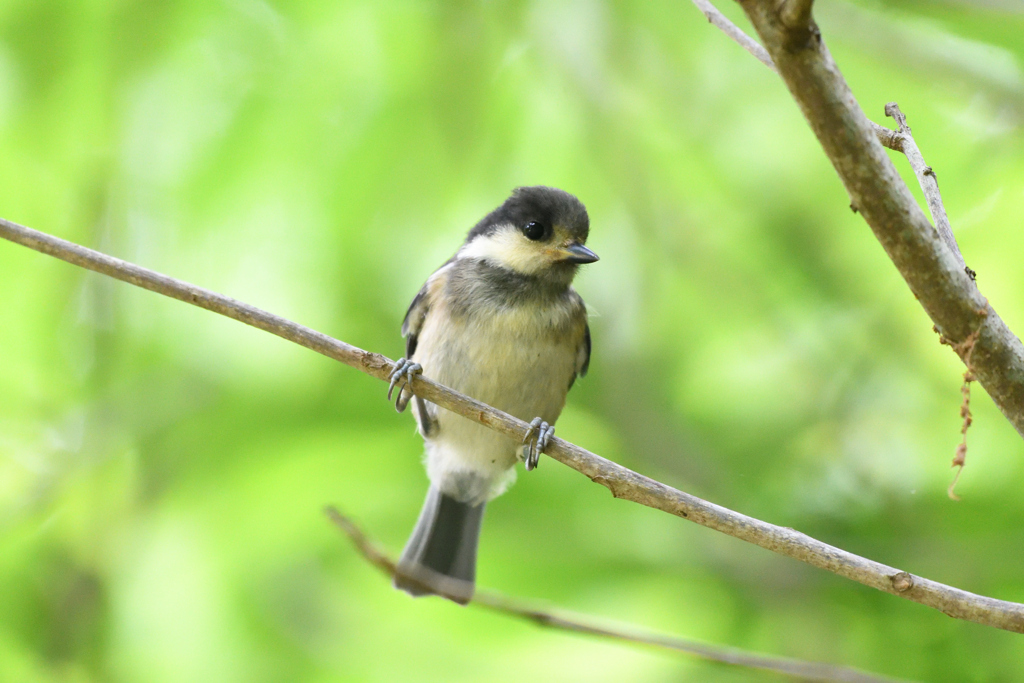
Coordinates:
x,y
577,253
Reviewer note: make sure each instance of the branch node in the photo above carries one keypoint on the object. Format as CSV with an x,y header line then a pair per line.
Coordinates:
x,y
375,361
902,582
605,482
796,16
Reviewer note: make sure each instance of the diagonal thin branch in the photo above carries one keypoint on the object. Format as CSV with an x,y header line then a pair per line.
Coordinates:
x,y
808,671
926,178
622,482
735,32
888,137
899,141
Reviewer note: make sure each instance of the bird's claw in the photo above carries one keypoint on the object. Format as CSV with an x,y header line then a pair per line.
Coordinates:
x,y
536,440
401,377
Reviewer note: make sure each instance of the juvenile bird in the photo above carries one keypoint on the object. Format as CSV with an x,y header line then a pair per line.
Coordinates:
x,y
500,322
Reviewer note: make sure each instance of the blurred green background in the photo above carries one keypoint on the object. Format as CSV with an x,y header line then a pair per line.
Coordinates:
x,y
163,470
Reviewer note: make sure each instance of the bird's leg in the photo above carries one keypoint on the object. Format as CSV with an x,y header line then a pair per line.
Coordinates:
x,y
536,440
401,377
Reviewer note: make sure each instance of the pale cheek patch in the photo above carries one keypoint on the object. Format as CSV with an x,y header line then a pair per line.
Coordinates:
x,y
508,248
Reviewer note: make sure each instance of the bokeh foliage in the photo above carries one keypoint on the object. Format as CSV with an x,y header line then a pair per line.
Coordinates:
x,y
163,470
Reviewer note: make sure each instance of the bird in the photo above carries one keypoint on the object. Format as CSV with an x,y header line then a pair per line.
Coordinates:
x,y
500,322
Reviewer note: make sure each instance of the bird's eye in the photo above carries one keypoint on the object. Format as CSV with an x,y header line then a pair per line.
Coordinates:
x,y
534,231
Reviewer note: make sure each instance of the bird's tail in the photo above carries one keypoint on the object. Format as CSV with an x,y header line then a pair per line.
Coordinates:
x,y
440,557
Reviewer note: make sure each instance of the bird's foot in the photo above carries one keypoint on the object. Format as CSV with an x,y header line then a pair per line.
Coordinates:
x,y
537,438
401,377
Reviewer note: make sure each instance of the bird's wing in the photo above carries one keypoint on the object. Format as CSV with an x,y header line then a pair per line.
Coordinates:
x,y
583,354
411,326
413,322
418,310
583,350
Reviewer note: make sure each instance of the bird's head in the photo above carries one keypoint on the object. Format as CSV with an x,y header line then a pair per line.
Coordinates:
x,y
538,231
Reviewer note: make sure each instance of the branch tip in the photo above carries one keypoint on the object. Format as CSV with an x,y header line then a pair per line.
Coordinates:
x,y
892,110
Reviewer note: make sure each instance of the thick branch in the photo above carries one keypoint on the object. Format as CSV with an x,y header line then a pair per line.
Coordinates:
x,y
933,273
623,483
808,671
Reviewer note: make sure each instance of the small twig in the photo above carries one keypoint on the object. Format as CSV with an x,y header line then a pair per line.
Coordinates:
x,y
735,32
928,181
622,482
577,623
887,136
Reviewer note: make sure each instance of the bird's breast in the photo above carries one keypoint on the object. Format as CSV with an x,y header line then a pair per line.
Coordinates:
x,y
519,359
